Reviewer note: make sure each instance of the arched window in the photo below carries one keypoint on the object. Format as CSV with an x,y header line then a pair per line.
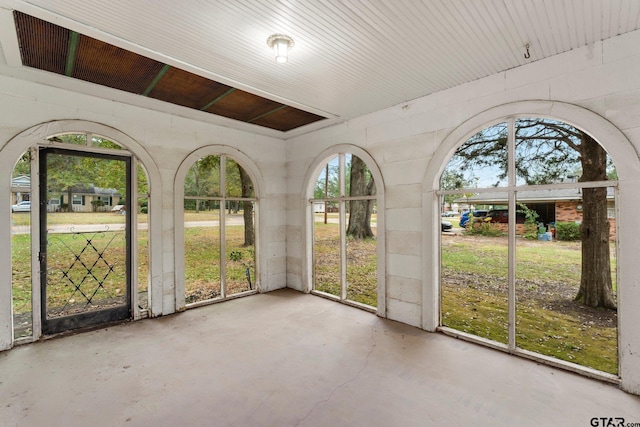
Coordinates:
x,y
219,230
530,265
90,206
345,231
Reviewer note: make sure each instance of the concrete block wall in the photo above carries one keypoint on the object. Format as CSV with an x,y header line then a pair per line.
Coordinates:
x,y
595,88
31,110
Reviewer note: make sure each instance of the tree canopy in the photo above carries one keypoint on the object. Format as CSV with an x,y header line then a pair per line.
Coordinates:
x,y
547,151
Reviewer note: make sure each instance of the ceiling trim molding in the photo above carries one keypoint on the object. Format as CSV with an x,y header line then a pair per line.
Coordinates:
x,y
9,38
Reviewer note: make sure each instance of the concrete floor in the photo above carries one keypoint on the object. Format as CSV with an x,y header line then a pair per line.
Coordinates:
x,y
288,359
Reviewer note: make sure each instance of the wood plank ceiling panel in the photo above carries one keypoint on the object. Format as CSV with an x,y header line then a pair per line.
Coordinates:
x,y
243,106
282,118
187,89
108,65
52,48
42,45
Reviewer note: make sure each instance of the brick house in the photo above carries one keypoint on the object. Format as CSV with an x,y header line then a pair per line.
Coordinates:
x,y
560,205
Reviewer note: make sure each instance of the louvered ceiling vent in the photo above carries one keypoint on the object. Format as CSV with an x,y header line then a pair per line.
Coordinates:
x,y
49,47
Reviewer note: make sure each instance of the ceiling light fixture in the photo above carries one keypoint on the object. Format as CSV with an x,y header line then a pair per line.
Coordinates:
x,y
280,44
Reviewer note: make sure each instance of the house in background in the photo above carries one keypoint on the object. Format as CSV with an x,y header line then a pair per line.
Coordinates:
x,y
20,189
83,199
88,199
552,206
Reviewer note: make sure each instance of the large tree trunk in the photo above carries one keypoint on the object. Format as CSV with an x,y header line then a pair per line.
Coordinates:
x,y
360,210
595,282
247,208
198,190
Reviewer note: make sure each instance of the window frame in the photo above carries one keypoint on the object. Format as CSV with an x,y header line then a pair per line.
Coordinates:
x,y
512,189
222,199
309,186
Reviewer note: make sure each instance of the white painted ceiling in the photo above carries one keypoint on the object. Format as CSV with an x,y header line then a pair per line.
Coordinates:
x,y
350,57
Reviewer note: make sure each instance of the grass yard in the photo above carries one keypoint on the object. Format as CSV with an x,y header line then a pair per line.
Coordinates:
x,y
473,283
548,321
202,262
361,274
85,266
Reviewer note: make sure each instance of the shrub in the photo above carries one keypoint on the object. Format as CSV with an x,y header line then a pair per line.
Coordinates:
x,y
96,205
568,231
530,222
235,256
483,228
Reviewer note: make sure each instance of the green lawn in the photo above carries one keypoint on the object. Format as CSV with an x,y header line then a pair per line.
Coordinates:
x,y
474,299
361,274
202,262
474,284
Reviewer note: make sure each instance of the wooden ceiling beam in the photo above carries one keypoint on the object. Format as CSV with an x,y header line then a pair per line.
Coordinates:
x,y
156,79
227,93
74,39
267,113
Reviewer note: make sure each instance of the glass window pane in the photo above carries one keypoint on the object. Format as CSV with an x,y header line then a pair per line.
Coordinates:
x,y
203,178
97,141
143,252
548,277
358,180
362,260
238,182
143,181
479,162
548,151
70,138
474,272
326,253
240,242
21,247
202,253
327,186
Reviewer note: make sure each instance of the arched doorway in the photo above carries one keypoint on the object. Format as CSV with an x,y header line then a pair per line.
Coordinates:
x,y
78,283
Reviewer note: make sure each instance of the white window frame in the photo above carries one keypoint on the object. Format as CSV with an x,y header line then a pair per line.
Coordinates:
x,y
512,190
342,223
222,200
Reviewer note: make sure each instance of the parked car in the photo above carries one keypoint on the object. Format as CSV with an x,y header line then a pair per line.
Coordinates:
x,y
448,214
464,219
24,206
502,216
445,225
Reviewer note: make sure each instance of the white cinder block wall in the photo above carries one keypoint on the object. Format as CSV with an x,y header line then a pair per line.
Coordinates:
x,y
596,88
162,142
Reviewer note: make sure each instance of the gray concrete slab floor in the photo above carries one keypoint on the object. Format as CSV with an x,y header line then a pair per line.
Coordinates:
x,y
288,359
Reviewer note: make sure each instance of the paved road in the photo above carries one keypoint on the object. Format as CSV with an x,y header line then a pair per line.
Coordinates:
x,y
90,228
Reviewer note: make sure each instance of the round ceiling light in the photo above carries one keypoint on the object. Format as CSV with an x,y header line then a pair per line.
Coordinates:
x,y
280,43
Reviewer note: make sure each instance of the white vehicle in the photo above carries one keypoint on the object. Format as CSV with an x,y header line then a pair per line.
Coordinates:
x,y
24,206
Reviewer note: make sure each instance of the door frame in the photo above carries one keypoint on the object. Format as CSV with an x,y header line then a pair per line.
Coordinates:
x,y
91,318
